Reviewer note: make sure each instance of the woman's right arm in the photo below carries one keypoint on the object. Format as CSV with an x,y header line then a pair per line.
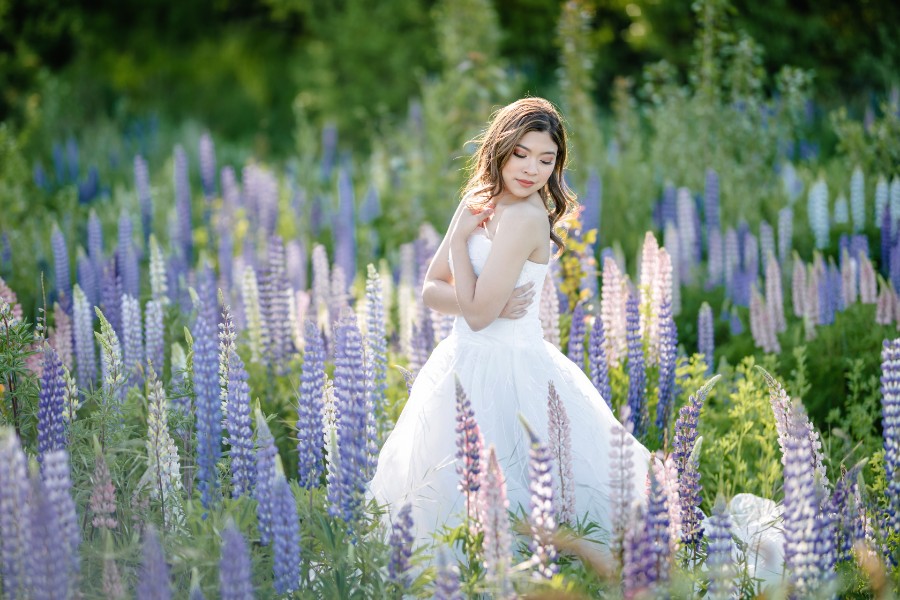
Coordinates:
x,y
438,292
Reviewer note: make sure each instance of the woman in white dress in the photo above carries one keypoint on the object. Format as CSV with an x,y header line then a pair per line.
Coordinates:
x,y
491,262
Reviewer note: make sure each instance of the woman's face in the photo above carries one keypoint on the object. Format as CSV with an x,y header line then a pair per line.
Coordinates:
x,y
530,165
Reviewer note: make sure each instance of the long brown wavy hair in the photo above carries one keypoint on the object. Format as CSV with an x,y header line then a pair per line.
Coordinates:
x,y
497,143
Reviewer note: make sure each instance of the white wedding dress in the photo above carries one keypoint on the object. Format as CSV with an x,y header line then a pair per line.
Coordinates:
x,y
505,370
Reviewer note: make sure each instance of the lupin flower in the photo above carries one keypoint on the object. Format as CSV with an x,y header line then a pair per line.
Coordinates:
x,y
295,257
277,345
706,343
666,474
158,284
15,515
817,209
154,344
286,537
884,306
649,307
686,454
310,408
598,364
576,336
895,197
266,455
344,226
890,424
719,554
376,343
774,296
613,296
636,375
235,568
494,520
142,186
647,557
153,578
686,257
868,287
237,413
252,313
761,326
785,232
469,448
111,366
446,582
808,535
345,495
163,466
732,258
422,339
668,341
560,439
541,519
51,405
184,233
621,468
798,287
85,356
849,528
321,284
50,573
841,210
401,542
813,299
767,247
61,262
716,260
881,198
103,496
549,311
61,335
72,400
134,339
340,293
886,238
113,589
207,165
711,200
671,243
126,259
206,387
111,296
58,485
849,277
95,243
87,277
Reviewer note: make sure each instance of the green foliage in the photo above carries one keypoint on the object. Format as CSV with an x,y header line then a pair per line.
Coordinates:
x,y
874,147
740,451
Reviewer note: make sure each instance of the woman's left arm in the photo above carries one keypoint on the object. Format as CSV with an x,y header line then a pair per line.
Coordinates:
x,y
481,299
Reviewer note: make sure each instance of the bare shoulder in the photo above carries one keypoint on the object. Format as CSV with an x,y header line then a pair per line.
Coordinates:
x,y
525,217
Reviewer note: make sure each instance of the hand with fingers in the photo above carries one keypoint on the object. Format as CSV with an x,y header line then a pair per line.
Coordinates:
x,y
519,301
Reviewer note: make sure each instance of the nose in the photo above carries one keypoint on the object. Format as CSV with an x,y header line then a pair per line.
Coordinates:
x,y
530,167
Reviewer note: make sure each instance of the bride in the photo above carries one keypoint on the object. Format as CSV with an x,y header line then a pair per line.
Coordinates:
x,y
486,270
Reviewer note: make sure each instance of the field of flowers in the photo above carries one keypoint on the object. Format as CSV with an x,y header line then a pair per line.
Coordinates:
x,y
201,352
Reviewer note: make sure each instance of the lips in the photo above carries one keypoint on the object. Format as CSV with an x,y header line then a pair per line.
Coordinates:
x,y
525,182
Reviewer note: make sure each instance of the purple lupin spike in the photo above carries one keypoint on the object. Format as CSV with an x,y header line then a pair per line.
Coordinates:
x,y
87,279
647,556
376,345
716,261
207,165
142,186
85,353
266,455
559,434
49,575
133,340
668,341
686,456
344,226
184,234
706,343
295,255
446,583
401,543
719,554
154,340
274,305
111,296
711,200
576,337
126,259
346,494
235,568
469,447
541,519
636,374
890,425
599,365
206,387
886,240
153,578
15,516
785,233
51,404
61,262
592,201
310,407
58,485
237,413
286,538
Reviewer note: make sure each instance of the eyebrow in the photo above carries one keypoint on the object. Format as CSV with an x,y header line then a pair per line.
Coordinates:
x,y
529,149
